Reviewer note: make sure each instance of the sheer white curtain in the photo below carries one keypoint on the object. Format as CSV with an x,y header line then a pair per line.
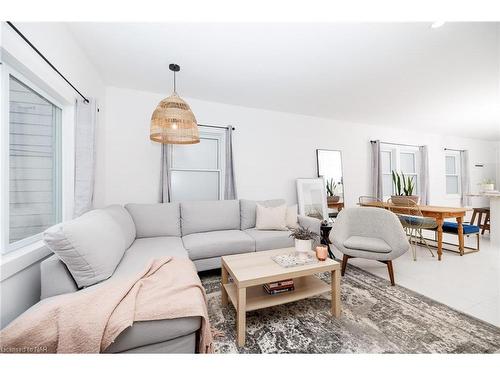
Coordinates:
x,y
165,188
464,177
85,128
376,170
230,181
424,175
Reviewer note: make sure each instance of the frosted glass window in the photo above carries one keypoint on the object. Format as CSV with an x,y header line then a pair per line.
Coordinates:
x,y
387,185
452,173
194,185
407,161
203,155
450,165
34,162
197,170
452,185
386,162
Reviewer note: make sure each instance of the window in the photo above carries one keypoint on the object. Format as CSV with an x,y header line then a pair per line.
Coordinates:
x,y
387,167
31,183
197,171
452,171
400,159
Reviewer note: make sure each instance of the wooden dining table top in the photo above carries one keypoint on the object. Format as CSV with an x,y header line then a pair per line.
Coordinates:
x,y
423,208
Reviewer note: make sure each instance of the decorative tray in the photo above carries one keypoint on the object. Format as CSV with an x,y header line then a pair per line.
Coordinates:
x,y
294,259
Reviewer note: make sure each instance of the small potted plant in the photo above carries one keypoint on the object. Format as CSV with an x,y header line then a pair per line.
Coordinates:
x,y
331,188
303,239
403,187
487,185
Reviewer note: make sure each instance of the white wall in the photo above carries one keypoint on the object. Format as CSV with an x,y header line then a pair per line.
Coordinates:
x,y
20,290
272,149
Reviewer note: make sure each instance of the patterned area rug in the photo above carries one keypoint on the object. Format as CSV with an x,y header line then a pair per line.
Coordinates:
x,y
376,318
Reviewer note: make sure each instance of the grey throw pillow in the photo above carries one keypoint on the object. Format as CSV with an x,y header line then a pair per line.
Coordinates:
x,y
91,246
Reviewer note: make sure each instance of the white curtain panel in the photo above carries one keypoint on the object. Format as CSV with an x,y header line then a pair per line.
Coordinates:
x,y
165,188
230,181
376,170
424,175
85,128
465,177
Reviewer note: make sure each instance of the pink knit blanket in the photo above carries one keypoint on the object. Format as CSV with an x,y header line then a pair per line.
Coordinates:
x,y
90,320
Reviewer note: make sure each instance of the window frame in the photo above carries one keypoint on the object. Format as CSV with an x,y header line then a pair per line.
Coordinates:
x,y
396,151
6,71
458,173
220,136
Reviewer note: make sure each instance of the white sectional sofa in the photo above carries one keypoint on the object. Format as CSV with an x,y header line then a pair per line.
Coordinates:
x,y
116,241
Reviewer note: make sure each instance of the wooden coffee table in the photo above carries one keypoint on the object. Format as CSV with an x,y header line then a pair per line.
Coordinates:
x,y
249,271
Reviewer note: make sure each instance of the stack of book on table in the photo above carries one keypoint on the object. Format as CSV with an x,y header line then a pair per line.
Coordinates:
x,y
278,287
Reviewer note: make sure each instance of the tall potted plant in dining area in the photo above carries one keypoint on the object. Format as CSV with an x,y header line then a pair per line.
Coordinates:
x,y
404,186
331,189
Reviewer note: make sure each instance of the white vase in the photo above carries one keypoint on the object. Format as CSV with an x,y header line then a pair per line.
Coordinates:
x,y
487,187
303,246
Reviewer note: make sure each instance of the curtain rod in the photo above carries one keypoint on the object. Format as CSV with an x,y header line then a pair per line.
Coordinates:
x,y
217,127
453,149
46,60
395,144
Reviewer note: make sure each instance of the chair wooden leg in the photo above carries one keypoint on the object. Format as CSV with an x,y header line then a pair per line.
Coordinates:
x,y
473,219
344,263
391,272
486,224
390,269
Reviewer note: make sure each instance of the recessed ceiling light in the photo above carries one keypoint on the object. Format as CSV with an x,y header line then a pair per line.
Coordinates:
x,y
437,24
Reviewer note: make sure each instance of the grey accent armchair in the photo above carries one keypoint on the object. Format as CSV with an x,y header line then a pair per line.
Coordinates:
x,y
370,233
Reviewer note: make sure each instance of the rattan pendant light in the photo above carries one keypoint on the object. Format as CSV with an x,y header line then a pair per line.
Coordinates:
x,y
173,121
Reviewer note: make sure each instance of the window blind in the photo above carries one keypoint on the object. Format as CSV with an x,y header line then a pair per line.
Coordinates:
x,y
34,167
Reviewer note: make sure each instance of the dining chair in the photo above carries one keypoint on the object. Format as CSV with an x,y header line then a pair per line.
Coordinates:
x,y
366,199
413,221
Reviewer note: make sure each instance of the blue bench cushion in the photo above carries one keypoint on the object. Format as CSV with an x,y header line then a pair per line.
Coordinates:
x,y
451,227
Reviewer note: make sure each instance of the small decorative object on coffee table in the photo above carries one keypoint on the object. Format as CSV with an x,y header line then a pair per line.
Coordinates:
x,y
295,259
321,252
303,239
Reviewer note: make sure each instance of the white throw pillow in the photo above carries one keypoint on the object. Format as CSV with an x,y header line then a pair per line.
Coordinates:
x,y
271,218
292,217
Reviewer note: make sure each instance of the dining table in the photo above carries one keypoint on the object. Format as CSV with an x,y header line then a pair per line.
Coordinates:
x,y
439,213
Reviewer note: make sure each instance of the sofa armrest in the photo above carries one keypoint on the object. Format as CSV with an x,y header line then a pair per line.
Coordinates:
x,y
55,278
311,223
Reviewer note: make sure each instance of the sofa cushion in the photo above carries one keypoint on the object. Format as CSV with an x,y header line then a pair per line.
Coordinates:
x,y
124,220
271,218
144,250
155,220
91,246
270,239
372,244
292,216
218,243
206,216
248,210
153,332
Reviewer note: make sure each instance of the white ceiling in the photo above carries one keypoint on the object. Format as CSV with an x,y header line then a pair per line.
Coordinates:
x,y
406,75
